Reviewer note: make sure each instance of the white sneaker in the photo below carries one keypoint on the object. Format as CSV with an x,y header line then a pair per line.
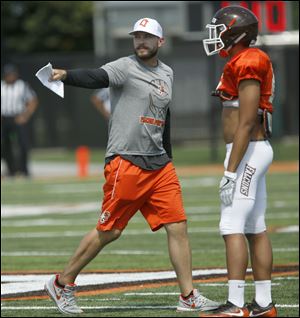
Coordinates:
x,y
63,297
196,302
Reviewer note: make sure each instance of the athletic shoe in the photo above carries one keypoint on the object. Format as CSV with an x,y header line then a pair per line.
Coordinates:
x,y
227,310
257,311
63,297
196,302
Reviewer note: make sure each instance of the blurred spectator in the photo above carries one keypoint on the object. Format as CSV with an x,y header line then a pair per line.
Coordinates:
x,y
18,103
100,99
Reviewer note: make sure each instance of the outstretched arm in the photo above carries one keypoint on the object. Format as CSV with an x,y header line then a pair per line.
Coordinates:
x,y
86,78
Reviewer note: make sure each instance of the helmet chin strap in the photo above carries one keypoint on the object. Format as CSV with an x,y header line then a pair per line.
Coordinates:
x,y
225,52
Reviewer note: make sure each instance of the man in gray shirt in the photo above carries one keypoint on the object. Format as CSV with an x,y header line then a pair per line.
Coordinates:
x,y
139,172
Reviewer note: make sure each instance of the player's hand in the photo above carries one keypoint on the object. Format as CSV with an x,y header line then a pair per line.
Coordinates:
x,y
227,187
21,119
58,75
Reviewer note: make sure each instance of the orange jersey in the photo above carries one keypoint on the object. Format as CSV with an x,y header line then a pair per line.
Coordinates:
x,y
250,63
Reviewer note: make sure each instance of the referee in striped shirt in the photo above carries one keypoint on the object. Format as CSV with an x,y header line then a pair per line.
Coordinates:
x,y
18,103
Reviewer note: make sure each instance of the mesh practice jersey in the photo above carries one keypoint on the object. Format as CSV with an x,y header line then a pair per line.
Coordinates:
x,y
250,63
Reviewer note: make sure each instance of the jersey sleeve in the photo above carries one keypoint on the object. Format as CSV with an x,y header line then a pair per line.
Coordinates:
x,y
117,71
251,66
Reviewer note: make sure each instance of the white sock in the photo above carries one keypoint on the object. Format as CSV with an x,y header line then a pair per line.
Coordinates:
x,y
236,292
263,292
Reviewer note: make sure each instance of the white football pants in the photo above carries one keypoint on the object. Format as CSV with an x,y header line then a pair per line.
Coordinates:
x,y
247,212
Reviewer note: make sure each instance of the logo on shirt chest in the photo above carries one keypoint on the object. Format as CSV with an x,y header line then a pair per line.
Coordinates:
x,y
160,88
159,98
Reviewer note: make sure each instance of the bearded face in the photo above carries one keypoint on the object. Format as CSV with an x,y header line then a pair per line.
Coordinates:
x,y
145,45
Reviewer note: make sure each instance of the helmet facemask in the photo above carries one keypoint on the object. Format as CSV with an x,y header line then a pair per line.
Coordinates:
x,y
214,43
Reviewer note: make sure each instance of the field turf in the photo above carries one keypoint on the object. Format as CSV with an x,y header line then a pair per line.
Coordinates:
x,y
45,218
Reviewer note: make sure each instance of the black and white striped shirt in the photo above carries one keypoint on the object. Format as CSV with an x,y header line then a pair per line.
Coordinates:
x,y
14,97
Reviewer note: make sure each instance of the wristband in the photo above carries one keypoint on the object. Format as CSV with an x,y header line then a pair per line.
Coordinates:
x,y
230,175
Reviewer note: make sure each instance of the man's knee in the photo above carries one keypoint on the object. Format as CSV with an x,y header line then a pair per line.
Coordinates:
x,y
231,227
109,236
177,228
253,237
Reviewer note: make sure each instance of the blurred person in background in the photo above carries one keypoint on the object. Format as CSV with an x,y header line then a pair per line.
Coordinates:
x,y
18,103
246,90
139,171
100,99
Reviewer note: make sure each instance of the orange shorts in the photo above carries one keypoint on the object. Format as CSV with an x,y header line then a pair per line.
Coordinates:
x,y
128,188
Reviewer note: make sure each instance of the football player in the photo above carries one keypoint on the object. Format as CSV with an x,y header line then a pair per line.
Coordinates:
x,y
246,90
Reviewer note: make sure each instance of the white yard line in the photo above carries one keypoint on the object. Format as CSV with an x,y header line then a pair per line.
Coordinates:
x,y
286,278
26,235
127,252
198,212
8,211
113,252
74,188
15,210
288,229
18,284
12,284
48,222
138,219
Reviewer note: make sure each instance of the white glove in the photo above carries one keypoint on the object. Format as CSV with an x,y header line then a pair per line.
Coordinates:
x,y
227,186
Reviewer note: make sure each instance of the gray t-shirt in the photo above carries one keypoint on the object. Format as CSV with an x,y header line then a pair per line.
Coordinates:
x,y
140,96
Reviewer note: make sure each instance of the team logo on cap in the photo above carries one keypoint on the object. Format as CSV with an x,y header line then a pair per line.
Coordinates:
x,y
144,22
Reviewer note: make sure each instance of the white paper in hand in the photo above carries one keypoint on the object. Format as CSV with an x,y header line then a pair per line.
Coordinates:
x,y
44,74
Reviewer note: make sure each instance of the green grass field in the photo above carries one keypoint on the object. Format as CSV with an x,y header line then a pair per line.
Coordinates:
x,y
194,153
66,208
